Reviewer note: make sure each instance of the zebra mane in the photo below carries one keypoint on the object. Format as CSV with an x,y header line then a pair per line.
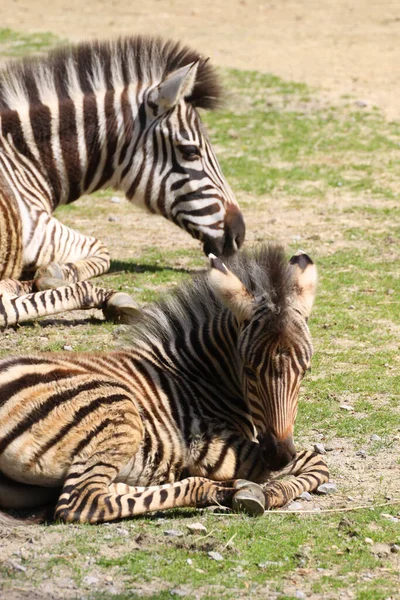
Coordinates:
x,y
93,66
264,271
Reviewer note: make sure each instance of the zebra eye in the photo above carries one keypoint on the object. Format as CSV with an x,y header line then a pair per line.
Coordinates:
x,y
249,373
189,152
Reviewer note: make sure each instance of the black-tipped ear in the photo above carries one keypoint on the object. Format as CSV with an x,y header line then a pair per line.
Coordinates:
x,y
305,280
301,259
216,263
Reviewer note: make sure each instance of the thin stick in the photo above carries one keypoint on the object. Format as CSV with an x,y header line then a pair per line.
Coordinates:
x,y
316,512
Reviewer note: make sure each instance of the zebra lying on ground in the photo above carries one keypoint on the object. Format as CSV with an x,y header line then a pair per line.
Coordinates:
x,y
118,114
206,396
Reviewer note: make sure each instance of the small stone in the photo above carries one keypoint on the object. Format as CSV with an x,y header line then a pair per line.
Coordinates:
x,y
306,496
173,533
360,103
391,518
350,498
351,307
112,219
215,556
320,448
122,531
16,565
270,563
299,594
196,527
68,348
361,453
395,548
178,592
390,292
369,541
327,488
295,506
115,199
347,407
90,580
375,438
189,561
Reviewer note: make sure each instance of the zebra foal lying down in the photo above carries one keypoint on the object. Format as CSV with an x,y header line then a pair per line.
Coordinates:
x,y
118,114
205,397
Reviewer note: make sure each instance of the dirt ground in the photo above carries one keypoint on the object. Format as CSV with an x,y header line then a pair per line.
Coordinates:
x,y
342,47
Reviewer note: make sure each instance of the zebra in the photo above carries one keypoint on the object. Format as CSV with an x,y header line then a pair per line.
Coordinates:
x,y
198,408
120,114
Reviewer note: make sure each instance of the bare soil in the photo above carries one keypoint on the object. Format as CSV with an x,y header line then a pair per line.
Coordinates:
x,y
342,47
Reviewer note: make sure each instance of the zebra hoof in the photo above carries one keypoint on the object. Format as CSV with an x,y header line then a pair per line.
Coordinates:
x,y
52,271
48,283
249,500
121,308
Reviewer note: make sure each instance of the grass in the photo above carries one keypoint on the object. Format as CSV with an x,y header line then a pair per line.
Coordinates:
x,y
307,173
15,44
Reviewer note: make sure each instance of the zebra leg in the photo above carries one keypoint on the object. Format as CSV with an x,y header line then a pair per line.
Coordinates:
x,y
69,255
82,295
93,501
306,473
13,287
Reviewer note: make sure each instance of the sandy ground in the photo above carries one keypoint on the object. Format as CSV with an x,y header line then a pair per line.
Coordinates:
x,y
343,47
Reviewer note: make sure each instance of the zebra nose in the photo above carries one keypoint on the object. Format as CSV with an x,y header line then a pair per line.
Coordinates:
x,y
235,231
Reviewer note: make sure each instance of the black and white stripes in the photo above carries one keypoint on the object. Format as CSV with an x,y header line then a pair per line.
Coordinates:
x,y
119,114
203,395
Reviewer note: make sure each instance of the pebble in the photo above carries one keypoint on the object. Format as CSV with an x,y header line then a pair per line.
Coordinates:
x,y
178,592
299,594
196,527
189,561
173,533
306,496
270,563
112,219
375,438
361,453
390,517
215,556
350,498
327,488
320,448
90,580
351,307
346,407
115,199
122,531
395,548
16,565
369,541
68,348
360,103
295,506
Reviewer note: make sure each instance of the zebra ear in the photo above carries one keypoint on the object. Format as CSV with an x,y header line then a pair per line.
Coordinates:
x,y
305,280
176,86
230,290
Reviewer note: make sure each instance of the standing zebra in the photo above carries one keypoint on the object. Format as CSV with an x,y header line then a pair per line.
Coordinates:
x,y
207,394
119,114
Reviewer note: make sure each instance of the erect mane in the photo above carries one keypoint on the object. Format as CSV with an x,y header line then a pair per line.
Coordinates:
x,y
103,65
264,271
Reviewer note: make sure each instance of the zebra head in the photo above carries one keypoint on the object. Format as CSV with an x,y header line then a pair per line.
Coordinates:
x,y
274,348
181,178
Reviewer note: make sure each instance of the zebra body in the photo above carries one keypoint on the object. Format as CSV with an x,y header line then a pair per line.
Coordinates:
x,y
206,396
121,115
